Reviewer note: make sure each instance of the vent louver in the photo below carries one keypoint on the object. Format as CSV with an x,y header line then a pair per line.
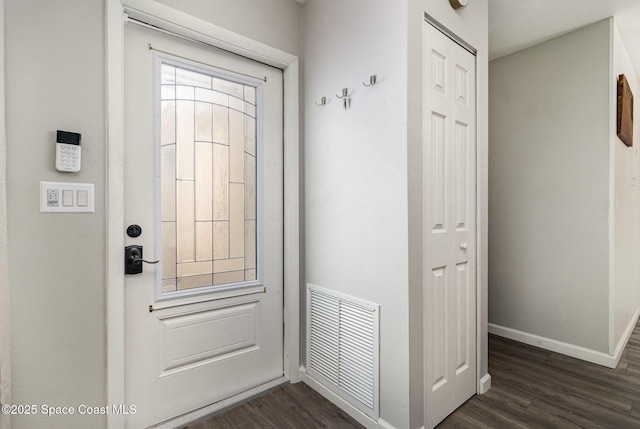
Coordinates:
x,y
342,346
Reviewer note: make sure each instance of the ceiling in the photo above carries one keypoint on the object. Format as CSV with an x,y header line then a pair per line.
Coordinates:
x,y
518,24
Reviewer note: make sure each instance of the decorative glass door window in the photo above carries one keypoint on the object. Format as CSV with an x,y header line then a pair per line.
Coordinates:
x,y
208,179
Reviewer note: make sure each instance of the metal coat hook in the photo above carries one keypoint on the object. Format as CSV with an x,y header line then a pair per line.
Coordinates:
x,y
345,98
323,101
372,80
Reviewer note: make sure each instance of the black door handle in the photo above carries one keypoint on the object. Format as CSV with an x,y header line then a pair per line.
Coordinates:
x,y
133,259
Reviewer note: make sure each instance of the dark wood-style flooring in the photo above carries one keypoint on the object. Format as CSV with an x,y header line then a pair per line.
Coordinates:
x,y
531,388
292,406
535,388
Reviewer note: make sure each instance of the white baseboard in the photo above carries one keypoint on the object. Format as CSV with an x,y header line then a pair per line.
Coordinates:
x,y
180,422
626,335
572,350
383,424
357,415
484,384
583,353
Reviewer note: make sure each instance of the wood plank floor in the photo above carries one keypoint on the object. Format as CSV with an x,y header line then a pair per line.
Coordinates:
x,y
292,406
531,388
535,388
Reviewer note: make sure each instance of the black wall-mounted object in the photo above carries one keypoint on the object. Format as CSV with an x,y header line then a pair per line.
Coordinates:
x,y
68,137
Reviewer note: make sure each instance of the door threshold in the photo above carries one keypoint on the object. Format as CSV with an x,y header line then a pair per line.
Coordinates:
x,y
185,419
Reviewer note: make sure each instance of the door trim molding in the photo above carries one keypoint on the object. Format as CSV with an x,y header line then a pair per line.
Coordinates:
x,y
189,26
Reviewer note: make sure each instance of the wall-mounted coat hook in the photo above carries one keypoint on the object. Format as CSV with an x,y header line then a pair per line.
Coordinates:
x,y
372,80
323,101
345,93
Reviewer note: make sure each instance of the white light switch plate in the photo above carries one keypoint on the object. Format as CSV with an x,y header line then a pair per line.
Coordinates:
x,y
58,197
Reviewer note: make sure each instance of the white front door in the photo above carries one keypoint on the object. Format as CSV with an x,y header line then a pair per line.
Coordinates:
x,y
449,183
204,183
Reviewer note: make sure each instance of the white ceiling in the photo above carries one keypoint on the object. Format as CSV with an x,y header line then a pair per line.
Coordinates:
x,y
518,24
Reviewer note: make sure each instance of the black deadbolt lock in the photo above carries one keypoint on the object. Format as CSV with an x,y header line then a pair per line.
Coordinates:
x,y
134,231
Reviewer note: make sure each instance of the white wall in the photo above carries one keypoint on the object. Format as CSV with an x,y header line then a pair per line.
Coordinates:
x,y
363,172
55,75
355,170
625,201
274,22
549,187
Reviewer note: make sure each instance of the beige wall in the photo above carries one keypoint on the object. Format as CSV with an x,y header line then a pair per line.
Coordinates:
x,y
5,302
549,185
55,80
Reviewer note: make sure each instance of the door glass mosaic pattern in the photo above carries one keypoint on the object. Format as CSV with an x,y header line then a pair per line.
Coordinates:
x,y
208,180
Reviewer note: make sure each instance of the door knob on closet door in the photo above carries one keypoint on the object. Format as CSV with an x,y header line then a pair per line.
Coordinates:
x,y
463,246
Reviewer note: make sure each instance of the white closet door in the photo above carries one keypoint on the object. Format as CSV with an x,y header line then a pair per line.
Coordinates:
x,y
449,186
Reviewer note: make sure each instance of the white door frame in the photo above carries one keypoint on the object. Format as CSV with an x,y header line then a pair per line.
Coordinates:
x,y
197,29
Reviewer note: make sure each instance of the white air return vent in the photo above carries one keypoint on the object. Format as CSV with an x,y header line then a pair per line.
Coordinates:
x,y
342,346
